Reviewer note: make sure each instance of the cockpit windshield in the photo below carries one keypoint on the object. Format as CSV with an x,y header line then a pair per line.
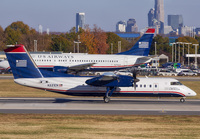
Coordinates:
x,y
176,83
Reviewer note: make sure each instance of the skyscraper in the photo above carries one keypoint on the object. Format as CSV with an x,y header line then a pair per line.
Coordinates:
x,y
121,26
159,10
175,21
80,21
151,17
131,26
159,14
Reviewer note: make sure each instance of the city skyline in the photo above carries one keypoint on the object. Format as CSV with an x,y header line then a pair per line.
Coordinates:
x,y
60,15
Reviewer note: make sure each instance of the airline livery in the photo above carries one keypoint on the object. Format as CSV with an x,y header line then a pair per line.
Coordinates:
x,y
66,62
27,73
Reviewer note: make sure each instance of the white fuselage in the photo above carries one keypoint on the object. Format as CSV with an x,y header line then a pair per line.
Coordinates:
x,y
102,61
76,86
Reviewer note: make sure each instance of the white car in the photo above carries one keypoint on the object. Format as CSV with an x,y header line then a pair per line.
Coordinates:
x,y
165,72
123,73
187,73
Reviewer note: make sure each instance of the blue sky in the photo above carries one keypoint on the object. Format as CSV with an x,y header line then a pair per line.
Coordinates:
x,y
59,15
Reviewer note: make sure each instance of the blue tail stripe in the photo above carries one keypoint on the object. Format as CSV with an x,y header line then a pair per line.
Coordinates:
x,y
22,66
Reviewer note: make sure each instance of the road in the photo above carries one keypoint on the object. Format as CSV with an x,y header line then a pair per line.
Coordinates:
x,y
91,105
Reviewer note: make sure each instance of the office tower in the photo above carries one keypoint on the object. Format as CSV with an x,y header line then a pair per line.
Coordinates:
x,y
48,31
159,14
131,26
121,26
80,21
187,31
168,29
40,29
197,30
159,10
151,17
175,21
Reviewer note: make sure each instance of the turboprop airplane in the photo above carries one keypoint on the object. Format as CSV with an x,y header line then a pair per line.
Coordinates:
x,y
27,73
67,62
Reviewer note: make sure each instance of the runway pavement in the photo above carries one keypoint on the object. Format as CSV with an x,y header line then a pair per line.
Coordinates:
x,y
91,105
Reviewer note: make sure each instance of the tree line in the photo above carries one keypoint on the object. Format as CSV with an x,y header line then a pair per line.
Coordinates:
x,y
93,40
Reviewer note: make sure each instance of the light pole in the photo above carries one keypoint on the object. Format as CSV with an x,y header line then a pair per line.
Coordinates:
x,y
77,46
74,47
35,45
179,55
188,53
195,55
119,46
183,53
173,51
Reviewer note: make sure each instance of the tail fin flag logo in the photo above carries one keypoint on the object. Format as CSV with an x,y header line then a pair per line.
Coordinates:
x,y
21,63
143,44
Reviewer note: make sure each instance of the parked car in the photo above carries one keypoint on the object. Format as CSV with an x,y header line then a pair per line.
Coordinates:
x,y
123,73
187,73
165,72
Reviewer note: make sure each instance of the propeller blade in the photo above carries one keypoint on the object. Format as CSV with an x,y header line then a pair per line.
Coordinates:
x,y
134,85
134,72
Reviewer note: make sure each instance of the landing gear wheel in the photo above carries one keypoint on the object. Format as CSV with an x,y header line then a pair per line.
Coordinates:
x,y
182,100
106,99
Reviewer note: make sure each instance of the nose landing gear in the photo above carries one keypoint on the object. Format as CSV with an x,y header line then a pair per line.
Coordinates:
x,y
182,100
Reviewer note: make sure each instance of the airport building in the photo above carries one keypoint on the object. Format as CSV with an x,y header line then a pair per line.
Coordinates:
x,y
80,21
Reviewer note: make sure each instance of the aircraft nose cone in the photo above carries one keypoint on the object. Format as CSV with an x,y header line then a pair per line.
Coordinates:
x,y
192,93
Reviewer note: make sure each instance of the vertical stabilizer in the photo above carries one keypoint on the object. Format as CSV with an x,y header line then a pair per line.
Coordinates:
x,y
142,46
21,63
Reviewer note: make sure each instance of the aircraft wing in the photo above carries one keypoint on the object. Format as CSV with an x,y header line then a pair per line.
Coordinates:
x,y
143,60
80,67
75,68
111,81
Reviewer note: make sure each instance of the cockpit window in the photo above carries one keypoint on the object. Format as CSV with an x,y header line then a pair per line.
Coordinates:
x,y
176,83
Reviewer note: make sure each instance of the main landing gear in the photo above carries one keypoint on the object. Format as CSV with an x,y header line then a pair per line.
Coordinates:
x,y
182,100
108,94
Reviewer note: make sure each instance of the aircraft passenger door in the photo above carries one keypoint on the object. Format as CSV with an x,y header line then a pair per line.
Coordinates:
x,y
155,88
